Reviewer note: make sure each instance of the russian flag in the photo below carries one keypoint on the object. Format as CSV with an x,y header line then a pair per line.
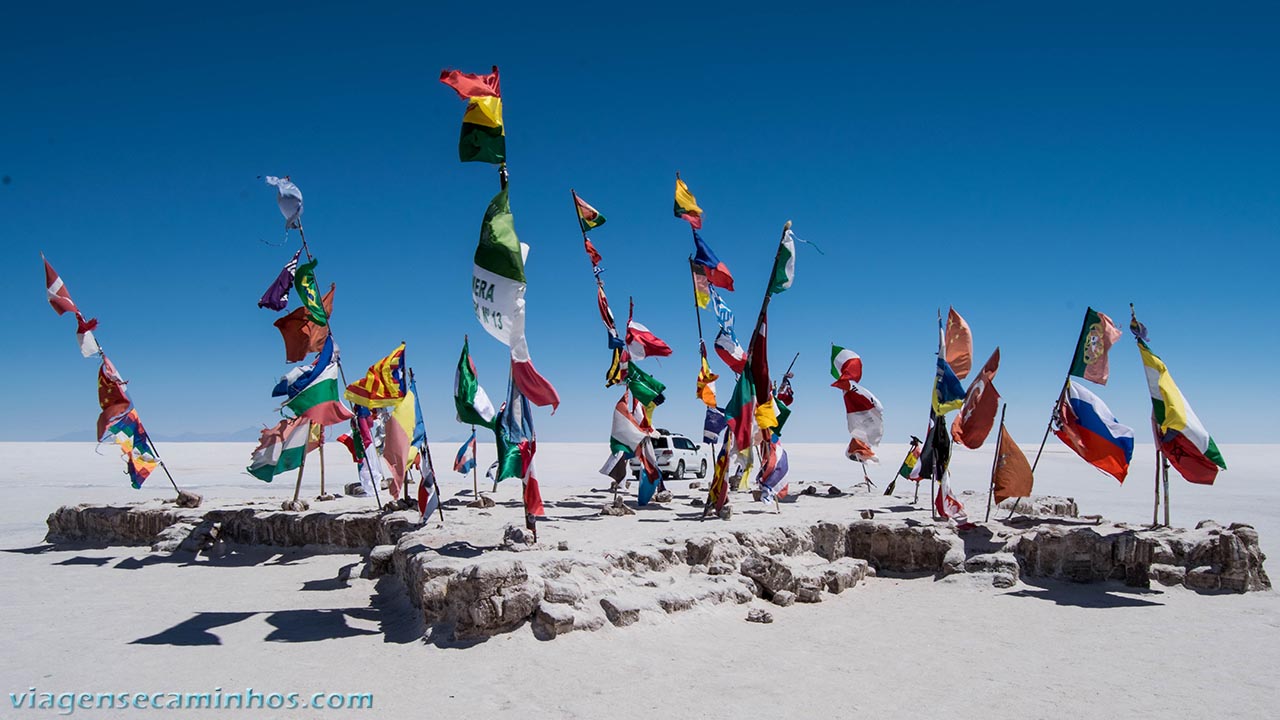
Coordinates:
x,y
1088,426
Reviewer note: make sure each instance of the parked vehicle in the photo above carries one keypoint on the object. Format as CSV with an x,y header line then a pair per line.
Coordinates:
x,y
677,455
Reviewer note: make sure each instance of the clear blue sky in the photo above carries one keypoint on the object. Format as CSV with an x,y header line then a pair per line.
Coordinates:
x,y
1017,161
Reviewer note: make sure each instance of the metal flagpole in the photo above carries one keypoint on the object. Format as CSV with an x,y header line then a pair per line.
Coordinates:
x,y
1155,511
297,487
1165,461
995,462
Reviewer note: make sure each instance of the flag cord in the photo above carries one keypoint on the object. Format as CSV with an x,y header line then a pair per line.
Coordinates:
x,y
995,462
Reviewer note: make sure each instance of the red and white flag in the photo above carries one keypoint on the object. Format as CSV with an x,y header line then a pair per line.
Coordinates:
x,y
59,298
641,343
948,505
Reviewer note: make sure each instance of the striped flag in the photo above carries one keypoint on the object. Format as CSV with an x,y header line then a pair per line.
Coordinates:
x,y
588,217
384,385
312,390
705,259
686,205
465,460
280,448
139,457
1086,425
59,297
469,399
707,383
642,343
846,367
1182,437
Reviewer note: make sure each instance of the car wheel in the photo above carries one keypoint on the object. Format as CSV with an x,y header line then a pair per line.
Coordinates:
x,y
679,471
703,472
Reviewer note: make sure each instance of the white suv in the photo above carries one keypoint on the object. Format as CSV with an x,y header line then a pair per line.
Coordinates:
x,y
677,455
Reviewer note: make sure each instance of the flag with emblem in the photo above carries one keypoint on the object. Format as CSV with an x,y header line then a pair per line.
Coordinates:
x,y
1097,336
304,281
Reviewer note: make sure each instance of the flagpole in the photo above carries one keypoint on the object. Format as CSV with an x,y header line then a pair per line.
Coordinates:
x,y
933,414
475,465
321,461
995,462
1155,511
1066,382
297,487
1165,461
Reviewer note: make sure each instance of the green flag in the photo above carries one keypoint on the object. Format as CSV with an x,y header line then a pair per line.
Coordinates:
x,y
304,281
471,401
784,265
644,386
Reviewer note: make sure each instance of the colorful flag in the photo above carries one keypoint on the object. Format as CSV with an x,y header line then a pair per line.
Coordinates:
x,y
1096,338
302,336
465,460
483,137
642,343
588,217
784,264
1012,476
649,475
469,399
277,296
978,413
959,344
59,297
864,414
606,316
701,285
703,256
469,85
907,471
785,394
304,281
773,471
112,398
846,367
313,389
139,457
758,352
740,412
626,433
1087,426
948,505
1182,437
84,336
619,367
397,442
712,425
644,387
289,199
280,448
718,490
948,393
686,206
517,444
428,493
730,351
767,416
707,383
384,385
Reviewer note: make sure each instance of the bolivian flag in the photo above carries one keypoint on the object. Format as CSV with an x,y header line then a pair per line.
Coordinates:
x,y
483,138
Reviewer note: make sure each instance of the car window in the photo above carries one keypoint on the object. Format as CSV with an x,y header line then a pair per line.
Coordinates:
x,y
683,444
660,442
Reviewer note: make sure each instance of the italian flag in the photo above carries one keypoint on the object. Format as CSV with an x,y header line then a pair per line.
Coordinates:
x,y
626,434
280,448
497,289
846,367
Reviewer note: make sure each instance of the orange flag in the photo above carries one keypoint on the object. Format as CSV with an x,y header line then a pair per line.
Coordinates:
x,y
1012,476
959,344
978,414
301,335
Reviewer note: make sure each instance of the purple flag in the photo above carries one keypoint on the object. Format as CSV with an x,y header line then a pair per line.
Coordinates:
x,y
277,296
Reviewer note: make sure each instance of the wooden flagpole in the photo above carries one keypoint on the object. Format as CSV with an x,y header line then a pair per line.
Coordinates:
x,y
1066,382
321,448
1155,511
297,486
995,463
1165,461
475,465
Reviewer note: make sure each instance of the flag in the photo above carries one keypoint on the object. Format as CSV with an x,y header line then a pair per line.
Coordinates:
x,y
864,414
313,389
289,199
606,316
277,296
846,367
712,425
302,336
1012,476
978,413
859,451
784,264
936,455
1087,426
139,457
959,344
469,85
483,138
1096,338
397,440
497,289
1182,437
517,444
686,206
280,448
730,351
948,393
428,493
644,387
59,297
384,385
707,383
704,257
642,343
304,281
907,471
588,217
465,460
701,285
619,367
368,464
469,399
766,416
740,412
785,393
650,476
84,336
718,490
591,252
948,505
419,424
758,352
773,472
112,398
626,432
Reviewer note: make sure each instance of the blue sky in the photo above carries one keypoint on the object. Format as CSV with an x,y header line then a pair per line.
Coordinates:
x,y
1017,161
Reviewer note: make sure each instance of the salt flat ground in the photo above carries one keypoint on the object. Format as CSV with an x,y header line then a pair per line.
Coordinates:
x,y
119,619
